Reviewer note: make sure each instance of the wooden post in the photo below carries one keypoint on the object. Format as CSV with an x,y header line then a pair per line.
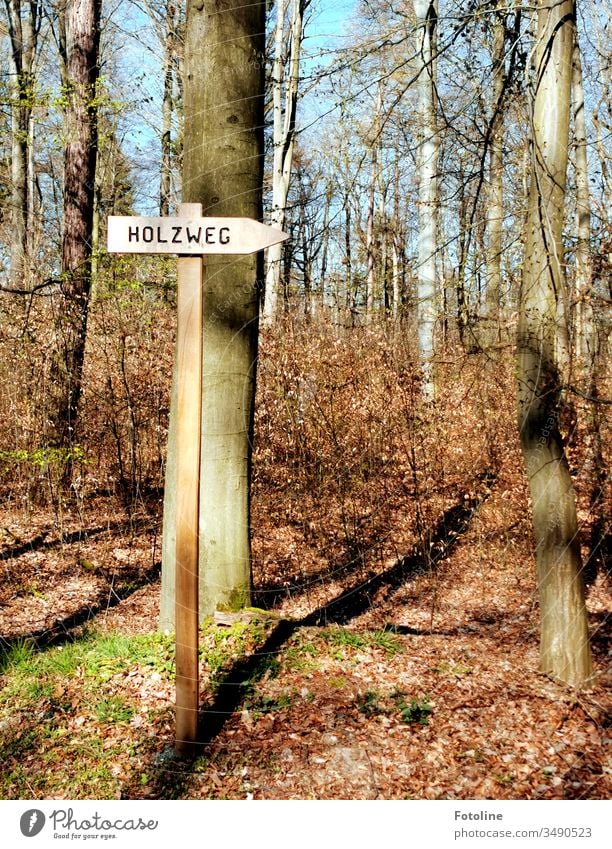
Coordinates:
x,y
191,237
189,355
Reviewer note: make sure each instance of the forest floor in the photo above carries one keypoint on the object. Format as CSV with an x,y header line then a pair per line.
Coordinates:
x,y
409,681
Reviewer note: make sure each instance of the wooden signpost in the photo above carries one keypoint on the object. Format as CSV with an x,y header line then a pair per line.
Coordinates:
x,y
190,236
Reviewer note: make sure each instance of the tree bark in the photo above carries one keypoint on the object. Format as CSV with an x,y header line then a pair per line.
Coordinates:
x,y
463,317
325,250
495,209
284,113
426,12
222,170
23,32
349,293
167,106
396,241
83,39
583,330
564,642
370,238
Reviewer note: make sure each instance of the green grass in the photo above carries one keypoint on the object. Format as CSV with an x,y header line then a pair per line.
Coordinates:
x,y
267,704
30,675
15,654
345,639
391,643
221,647
65,711
59,709
374,702
299,656
113,710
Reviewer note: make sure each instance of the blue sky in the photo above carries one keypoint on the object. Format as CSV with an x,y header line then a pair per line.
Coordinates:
x,y
138,57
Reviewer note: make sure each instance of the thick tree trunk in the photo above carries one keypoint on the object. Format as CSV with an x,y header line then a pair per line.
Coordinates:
x,y
426,12
564,643
83,38
222,170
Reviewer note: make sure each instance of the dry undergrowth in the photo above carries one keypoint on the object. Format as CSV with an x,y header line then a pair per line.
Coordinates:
x,y
394,544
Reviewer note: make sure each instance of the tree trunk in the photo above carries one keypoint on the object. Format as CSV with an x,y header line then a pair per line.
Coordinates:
x,y
370,239
284,139
396,241
384,267
564,642
23,32
167,105
584,315
325,237
495,210
83,39
350,299
222,170
463,318
426,12
602,154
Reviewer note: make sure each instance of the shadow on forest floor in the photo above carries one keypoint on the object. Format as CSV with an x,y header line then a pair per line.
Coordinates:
x,y
41,541
68,628
117,590
348,605
452,524
171,774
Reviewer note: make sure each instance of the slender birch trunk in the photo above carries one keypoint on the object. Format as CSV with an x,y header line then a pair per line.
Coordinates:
x,y
325,249
395,277
384,267
370,240
284,113
222,170
602,155
495,204
167,106
564,641
396,242
426,12
350,299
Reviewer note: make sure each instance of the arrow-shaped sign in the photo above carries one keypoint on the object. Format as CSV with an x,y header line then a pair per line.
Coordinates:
x,y
135,234
190,236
